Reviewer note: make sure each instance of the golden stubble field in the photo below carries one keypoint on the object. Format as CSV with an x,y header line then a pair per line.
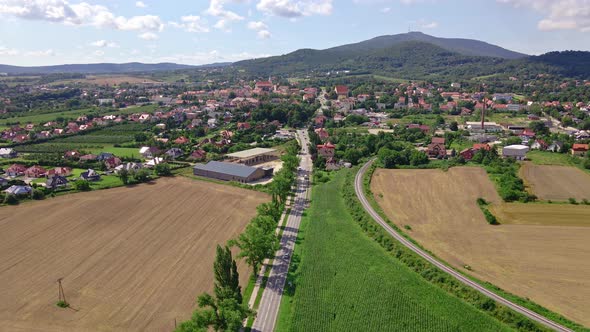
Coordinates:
x,y
132,259
548,264
557,183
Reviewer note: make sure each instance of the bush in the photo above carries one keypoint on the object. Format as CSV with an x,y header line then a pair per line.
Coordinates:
x,y
481,201
10,200
38,194
585,202
572,201
490,218
163,170
82,185
62,304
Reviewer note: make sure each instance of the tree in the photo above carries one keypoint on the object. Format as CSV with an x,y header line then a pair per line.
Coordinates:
x,y
141,137
141,175
225,311
454,126
163,170
82,185
124,176
255,245
539,128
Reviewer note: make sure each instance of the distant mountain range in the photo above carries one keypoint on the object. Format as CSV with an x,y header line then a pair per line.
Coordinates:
x,y
102,68
412,55
416,55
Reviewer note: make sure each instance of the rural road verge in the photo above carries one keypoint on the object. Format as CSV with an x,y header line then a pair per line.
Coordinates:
x,y
358,187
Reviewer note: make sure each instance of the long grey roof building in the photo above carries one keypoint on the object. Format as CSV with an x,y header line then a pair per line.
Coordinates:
x,y
231,171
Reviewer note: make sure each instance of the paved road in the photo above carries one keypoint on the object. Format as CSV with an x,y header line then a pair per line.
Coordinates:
x,y
358,186
271,297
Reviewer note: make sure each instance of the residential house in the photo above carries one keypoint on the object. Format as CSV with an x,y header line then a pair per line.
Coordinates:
x,y
326,150
112,162
16,170
129,167
341,91
322,134
181,140
74,155
198,155
174,153
19,190
539,144
437,148
55,182
153,162
90,175
61,171
104,156
467,154
579,150
89,157
7,153
556,146
149,152
243,126
35,172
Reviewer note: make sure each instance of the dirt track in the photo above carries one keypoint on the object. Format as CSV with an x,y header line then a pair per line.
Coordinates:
x,y
133,259
547,264
556,182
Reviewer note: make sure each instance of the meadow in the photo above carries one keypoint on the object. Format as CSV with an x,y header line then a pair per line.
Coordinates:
x,y
344,281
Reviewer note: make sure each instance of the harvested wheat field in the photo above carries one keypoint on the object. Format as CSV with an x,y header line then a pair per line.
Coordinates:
x,y
132,259
542,214
556,182
548,264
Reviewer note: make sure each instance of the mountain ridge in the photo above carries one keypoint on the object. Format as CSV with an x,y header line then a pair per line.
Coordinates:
x,y
102,68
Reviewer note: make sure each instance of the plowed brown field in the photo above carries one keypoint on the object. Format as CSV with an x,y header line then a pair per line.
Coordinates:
x,y
556,182
548,264
132,259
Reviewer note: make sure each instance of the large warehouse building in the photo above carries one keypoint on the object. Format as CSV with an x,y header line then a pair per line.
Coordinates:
x,y
231,172
253,156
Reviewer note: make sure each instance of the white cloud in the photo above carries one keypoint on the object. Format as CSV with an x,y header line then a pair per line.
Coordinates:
x,y
226,17
261,29
140,4
83,13
559,14
4,51
44,53
295,8
99,53
385,10
103,43
428,25
148,36
191,23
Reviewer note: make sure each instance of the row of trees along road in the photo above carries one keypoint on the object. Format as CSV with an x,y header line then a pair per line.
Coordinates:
x,y
224,311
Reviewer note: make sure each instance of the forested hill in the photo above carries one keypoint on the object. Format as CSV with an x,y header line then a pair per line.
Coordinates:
x,y
416,60
458,45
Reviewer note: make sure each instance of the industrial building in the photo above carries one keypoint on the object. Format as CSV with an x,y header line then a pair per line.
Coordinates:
x,y
231,172
253,156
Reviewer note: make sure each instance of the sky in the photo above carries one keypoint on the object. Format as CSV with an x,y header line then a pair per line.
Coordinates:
x,y
49,32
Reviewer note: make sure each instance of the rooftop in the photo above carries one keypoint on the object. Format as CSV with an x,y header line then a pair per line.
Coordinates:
x,y
227,168
250,153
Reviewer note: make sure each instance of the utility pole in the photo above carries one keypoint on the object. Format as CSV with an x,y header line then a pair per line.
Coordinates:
x,y
61,294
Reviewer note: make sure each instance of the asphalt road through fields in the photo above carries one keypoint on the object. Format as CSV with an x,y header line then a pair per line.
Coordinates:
x,y
271,297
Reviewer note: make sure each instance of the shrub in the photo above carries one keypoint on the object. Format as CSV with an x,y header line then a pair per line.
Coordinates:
x,y
163,170
38,194
572,201
585,202
63,304
10,200
82,185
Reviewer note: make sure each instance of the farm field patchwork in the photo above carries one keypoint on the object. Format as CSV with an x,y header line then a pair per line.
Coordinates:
x,y
548,264
132,258
347,282
556,182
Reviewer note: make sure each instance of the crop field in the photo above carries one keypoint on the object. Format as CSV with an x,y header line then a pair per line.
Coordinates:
x,y
543,214
132,258
347,282
556,182
114,79
548,264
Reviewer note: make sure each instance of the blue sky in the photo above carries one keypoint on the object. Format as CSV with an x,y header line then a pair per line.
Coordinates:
x,y
42,32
